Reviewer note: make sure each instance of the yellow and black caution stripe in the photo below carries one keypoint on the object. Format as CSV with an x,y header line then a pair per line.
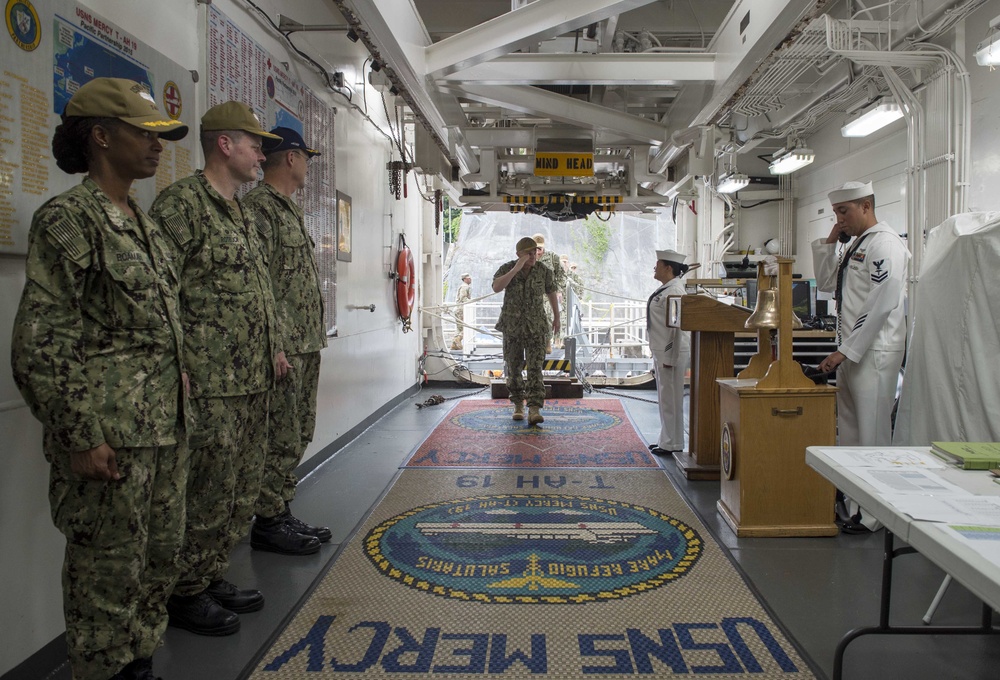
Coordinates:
x,y
559,198
557,365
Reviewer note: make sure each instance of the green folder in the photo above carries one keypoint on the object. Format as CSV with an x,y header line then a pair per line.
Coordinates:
x,y
970,455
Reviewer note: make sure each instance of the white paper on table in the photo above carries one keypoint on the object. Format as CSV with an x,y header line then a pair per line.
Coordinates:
x,y
984,540
978,510
908,481
884,458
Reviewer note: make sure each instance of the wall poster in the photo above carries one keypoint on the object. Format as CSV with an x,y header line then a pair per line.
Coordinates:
x,y
240,69
47,52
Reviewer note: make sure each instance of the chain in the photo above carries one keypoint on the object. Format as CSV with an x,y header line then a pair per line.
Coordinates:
x,y
438,207
625,396
394,183
436,399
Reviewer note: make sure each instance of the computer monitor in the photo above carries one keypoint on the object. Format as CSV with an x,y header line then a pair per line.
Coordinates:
x,y
803,296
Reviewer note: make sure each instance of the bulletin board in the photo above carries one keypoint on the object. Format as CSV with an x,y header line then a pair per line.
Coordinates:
x,y
240,69
49,50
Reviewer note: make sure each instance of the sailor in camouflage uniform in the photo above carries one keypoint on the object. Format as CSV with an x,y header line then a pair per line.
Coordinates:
x,y
289,250
96,353
525,327
232,354
551,260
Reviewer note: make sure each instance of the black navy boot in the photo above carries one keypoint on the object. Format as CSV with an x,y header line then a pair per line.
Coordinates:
x,y
322,533
241,601
138,669
274,534
201,614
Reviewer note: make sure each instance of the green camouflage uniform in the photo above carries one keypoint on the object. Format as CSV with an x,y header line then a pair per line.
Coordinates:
x,y
551,260
299,301
96,353
463,296
525,329
228,317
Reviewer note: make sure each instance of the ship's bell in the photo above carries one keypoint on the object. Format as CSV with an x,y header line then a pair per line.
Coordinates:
x,y
766,313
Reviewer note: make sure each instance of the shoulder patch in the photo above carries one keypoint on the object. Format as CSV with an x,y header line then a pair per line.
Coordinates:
x,y
261,220
67,237
177,227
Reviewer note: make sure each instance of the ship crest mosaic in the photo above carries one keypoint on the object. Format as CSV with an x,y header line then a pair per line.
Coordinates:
x,y
533,549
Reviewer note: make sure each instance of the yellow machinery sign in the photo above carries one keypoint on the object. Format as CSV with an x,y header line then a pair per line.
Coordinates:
x,y
561,163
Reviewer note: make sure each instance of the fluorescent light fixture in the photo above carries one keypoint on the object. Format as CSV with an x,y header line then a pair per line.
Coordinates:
x,y
873,118
731,183
988,51
791,160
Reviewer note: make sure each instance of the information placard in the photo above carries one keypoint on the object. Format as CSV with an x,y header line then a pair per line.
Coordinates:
x,y
240,69
51,49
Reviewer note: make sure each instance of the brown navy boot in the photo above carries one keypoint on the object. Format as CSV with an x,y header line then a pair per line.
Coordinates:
x,y
518,411
535,415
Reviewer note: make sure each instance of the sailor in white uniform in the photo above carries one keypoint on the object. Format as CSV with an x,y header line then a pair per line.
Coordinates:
x,y
671,348
869,283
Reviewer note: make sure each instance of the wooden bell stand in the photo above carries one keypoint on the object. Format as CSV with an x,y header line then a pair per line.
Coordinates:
x,y
770,413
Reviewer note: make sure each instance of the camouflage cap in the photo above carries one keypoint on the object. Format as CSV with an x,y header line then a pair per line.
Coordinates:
x,y
126,100
526,243
539,239
234,116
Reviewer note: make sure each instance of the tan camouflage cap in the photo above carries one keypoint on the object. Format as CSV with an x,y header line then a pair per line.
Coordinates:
x,y
126,100
234,116
526,243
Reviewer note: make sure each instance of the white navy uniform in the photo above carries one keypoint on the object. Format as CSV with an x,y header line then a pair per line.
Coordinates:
x,y
871,331
671,348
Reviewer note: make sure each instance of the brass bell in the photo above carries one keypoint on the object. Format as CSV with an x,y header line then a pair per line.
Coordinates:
x,y
766,313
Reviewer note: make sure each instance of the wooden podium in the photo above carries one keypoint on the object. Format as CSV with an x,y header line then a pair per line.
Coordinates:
x,y
769,415
712,325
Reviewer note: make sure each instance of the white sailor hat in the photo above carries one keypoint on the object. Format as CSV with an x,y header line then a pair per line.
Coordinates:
x,y
852,191
671,256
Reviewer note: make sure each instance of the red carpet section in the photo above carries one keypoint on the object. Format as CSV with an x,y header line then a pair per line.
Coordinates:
x,y
577,433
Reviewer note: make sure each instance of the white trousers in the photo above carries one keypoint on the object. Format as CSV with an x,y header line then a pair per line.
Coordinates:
x,y
670,397
865,396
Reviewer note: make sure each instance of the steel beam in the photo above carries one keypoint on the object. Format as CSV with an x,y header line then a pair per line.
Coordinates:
x,y
742,42
515,30
397,31
525,137
532,100
670,69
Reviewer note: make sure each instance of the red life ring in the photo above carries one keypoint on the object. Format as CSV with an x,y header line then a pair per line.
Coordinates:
x,y
406,283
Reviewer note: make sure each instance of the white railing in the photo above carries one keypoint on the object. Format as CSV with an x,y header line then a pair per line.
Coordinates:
x,y
615,329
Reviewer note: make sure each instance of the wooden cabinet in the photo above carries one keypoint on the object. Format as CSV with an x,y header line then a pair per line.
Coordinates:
x,y
767,488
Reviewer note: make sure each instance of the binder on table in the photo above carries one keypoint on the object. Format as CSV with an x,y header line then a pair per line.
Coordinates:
x,y
970,455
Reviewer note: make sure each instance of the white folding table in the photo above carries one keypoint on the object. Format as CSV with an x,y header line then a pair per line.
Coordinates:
x,y
965,565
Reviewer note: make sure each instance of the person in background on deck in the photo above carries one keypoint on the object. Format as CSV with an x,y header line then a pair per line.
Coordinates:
x,y
869,286
671,349
232,353
96,354
551,260
525,326
464,295
289,250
